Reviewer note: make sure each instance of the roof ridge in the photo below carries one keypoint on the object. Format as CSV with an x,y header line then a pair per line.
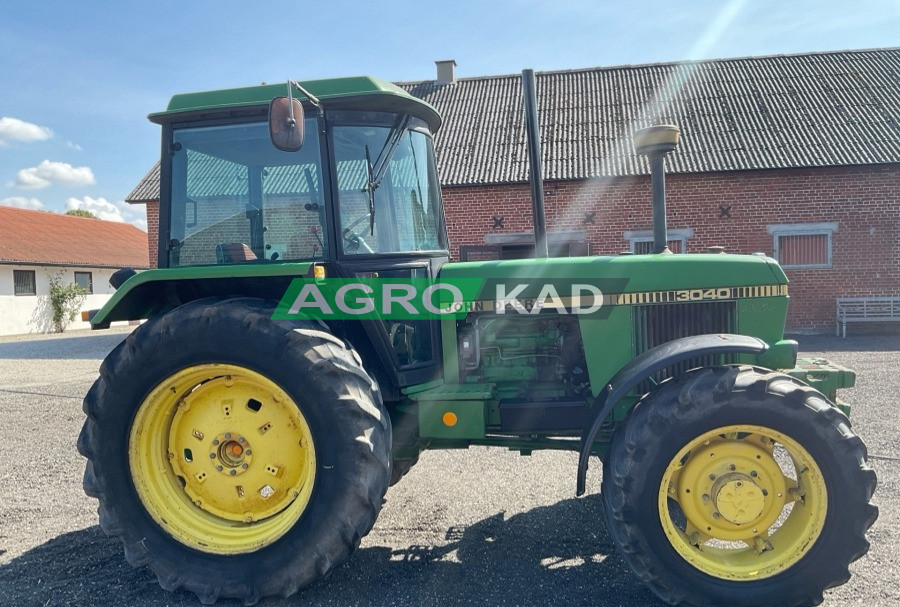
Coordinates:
x,y
657,64
67,217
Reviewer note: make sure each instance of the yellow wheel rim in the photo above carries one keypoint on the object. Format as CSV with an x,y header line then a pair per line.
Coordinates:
x,y
742,502
222,459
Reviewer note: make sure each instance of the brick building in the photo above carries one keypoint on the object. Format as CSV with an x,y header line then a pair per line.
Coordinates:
x,y
795,156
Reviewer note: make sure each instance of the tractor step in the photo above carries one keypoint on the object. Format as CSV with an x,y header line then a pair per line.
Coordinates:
x,y
543,417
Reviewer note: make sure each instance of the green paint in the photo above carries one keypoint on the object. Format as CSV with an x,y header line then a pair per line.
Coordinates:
x,y
780,355
763,317
146,294
824,376
449,350
643,272
608,346
468,419
330,92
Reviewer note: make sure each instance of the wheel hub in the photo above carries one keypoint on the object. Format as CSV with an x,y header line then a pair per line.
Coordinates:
x,y
232,456
739,500
725,487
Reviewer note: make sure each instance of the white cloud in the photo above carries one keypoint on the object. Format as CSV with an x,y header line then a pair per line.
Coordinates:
x,y
13,129
22,203
119,211
48,173
73,146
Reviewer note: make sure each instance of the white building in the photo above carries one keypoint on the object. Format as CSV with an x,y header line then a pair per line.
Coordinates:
x,y
36,246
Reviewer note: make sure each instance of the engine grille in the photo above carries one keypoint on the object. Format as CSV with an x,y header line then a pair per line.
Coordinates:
x,y
656,324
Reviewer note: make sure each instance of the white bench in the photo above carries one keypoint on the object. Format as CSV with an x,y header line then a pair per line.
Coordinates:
x,y
866,309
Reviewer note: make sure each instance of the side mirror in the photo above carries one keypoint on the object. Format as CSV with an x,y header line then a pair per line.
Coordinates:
x,y
286,124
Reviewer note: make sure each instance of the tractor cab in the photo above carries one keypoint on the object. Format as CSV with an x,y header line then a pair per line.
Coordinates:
x,y
339,174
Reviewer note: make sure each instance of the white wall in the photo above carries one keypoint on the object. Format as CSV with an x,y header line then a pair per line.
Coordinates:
x,y
31,313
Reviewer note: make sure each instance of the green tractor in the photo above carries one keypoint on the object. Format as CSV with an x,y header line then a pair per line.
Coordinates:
x,y
240,448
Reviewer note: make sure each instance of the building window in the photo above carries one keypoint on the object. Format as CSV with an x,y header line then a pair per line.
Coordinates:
x,y
641,242
643,246
803,245
85,281
24,282
520,245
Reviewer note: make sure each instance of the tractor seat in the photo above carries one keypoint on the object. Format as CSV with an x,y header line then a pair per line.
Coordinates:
x,y
231,252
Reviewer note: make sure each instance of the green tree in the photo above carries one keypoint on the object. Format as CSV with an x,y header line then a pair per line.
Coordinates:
x,y
66,300
81,213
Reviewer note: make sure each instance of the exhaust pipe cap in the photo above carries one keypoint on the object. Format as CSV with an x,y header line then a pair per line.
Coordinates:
x,y
657,139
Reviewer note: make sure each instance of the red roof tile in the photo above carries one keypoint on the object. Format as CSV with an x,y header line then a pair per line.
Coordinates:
x,y
39,237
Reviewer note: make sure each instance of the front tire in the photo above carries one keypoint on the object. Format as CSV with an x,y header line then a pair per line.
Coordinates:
x,y
235,455
738,486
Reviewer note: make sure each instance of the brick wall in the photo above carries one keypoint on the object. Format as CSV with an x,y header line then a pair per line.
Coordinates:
x,y
152,230
863,201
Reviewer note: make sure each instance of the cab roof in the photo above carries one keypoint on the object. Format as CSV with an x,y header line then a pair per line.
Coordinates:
x,y
333,93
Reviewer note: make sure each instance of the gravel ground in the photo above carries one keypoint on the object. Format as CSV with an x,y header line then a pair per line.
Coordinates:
x,y
481,527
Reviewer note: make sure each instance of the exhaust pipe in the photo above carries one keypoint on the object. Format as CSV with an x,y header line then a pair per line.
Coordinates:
x,y
534,159
655,142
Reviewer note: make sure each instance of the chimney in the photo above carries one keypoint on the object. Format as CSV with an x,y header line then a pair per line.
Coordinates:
x,y
446,71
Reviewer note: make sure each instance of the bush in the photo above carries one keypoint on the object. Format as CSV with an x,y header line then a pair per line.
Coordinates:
x,y
66,300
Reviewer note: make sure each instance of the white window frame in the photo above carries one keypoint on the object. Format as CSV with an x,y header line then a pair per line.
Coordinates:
x,y
803,229
636,236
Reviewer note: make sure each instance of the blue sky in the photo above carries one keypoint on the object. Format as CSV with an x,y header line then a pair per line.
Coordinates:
x,y
77,80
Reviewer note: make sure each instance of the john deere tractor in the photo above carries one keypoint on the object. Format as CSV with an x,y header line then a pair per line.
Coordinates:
x,y
241,440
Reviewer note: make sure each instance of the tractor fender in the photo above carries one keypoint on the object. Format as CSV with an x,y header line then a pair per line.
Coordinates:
x,y
644,366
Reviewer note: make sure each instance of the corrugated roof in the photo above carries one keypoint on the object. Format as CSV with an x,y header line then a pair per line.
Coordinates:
x,y
786,111
39,237
148,189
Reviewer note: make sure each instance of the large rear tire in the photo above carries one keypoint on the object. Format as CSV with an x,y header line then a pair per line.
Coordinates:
x,y
235,455
738,486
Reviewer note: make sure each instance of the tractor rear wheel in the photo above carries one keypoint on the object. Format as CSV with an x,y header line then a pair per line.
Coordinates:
x,y
235,455
738,486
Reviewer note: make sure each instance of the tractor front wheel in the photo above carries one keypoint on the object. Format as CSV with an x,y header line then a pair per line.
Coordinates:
x,y
235,455
738,486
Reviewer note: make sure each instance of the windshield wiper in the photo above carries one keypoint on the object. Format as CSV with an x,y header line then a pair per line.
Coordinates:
x,y
373,185
377,171
387,152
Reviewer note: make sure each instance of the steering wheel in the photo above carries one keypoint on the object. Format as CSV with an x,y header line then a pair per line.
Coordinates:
x,y
353,241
